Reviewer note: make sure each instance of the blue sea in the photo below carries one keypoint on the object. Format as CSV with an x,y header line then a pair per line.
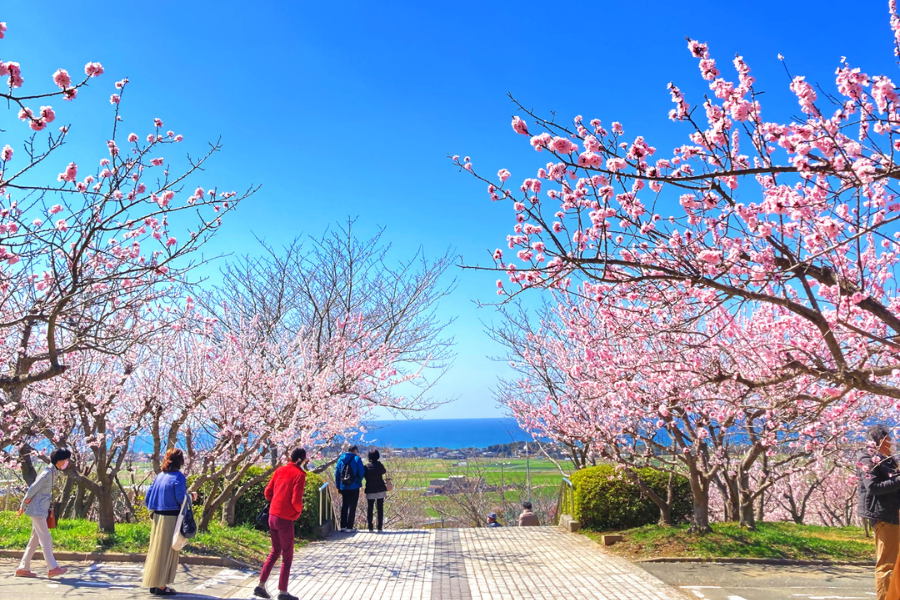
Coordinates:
x,y
427,433
445,433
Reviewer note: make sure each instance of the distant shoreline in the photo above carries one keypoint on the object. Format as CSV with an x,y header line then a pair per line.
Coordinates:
x,y
449,434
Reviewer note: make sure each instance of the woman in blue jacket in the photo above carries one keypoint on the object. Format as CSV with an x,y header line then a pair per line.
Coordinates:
x,y
163,500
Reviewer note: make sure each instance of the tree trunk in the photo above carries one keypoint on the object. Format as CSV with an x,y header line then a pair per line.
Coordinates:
x,y
157,443
208,507
665,506
761,508
78,508
747,514
700,493
29,473
87,504
733,504
665,516
65,498
106,510
228,510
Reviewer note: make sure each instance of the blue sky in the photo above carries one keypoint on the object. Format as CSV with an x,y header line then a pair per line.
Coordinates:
x,y
350,109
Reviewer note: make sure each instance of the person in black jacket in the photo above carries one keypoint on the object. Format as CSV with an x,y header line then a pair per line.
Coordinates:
x,y
879,502
376,490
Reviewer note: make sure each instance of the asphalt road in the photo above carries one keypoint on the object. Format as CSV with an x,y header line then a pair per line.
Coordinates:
x,y
115,581
716,581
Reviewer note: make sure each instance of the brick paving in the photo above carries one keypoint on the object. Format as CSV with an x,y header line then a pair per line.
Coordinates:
x,y
509,563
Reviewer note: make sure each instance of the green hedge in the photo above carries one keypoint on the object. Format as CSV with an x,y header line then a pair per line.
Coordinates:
x,y
606,499
252,502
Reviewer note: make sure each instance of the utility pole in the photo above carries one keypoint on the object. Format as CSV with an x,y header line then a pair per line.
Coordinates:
x,y
528,470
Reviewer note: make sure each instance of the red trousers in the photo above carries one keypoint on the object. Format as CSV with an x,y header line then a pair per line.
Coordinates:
x,y
282,533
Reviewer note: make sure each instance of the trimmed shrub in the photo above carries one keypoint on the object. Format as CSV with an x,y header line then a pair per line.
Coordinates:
x,y
254,500
606,499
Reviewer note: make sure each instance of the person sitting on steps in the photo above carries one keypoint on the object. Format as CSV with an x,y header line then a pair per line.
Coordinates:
x,y
528,518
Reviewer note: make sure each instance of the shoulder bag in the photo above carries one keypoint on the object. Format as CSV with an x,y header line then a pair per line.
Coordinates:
x,y
51,515
178,538
262,519
188,524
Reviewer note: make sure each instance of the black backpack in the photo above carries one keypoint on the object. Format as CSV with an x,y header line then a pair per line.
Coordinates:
x,y
347,476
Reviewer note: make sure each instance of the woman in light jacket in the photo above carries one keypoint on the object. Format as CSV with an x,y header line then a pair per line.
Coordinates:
x,y
164,500
36,505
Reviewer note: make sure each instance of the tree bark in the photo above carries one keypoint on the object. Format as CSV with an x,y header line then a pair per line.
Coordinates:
x,y
65,498
665,506
106,513
228,510
700,493
746,512
29,473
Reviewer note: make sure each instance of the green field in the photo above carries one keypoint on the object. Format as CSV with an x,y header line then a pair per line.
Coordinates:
x,y
508,471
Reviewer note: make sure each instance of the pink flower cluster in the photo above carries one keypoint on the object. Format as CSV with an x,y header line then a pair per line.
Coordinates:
x,y
69,174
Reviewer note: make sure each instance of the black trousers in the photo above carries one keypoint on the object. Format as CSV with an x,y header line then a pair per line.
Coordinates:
x,y
380,504
349,500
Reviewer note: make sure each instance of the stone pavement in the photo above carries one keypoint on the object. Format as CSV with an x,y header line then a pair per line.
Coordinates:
x,y
114,581
511,563
716,581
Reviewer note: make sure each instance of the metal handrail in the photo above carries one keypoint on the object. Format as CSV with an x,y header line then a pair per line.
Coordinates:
x,y
566,500
325,500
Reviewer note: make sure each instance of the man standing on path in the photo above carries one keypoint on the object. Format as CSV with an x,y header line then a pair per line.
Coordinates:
x,y
348,476
285,493
879,501
492,520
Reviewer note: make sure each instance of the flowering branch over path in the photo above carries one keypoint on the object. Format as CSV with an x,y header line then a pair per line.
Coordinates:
x,y
800,216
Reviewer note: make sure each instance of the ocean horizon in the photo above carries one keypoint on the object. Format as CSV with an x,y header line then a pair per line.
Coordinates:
x,y
425,433
444,433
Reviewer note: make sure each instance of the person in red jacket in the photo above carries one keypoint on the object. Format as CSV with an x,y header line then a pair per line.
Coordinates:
x,y
285,493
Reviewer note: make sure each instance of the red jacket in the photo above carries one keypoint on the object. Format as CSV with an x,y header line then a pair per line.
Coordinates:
x,y
285,492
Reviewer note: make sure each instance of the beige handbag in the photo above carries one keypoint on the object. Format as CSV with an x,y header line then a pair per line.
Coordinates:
x,y
178,540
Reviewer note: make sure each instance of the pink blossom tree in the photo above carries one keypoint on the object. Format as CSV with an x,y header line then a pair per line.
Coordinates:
x,y
93,409
640,389
812,232
241,397
84,253
825,494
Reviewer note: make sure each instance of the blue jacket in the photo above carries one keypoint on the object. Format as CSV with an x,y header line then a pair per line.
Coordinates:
x,y
167,492
356,466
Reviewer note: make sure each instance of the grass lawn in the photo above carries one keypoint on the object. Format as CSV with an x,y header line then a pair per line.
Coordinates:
x,y
77,535
771,540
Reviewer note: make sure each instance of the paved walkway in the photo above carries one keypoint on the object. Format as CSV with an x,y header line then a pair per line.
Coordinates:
x,y
529,563
706,581
116,581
